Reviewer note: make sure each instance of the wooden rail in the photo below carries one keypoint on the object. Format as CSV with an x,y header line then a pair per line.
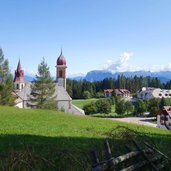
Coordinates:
x,y
149,155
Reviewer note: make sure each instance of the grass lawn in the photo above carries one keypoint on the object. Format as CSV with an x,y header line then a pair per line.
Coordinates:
x,y
81,102
50,140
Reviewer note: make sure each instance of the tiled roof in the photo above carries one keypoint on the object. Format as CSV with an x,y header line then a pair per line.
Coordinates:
x,y
108,90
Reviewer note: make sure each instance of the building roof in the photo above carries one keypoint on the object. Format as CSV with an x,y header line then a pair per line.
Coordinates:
x,y
62,94
19,73
108,90
61,60
122,91
166,110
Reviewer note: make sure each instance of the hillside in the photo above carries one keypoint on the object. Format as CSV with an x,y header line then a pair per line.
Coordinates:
x,y
50,140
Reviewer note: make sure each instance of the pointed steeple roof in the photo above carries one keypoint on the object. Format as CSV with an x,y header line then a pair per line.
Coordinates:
x,y
19,73
19,66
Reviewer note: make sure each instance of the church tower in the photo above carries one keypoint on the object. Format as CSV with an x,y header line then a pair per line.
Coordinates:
x,y
19,78
61,71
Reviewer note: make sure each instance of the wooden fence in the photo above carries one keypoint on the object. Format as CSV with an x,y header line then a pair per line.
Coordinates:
x,y
149,158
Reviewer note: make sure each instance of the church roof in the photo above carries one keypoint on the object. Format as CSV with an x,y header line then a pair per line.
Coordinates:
x,y
61,60
62,94
19,73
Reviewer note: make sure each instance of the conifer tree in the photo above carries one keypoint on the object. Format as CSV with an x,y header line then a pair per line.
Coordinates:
x,y
6,82
43,88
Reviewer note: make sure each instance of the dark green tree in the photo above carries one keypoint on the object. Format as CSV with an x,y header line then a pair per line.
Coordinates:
x,y
6,82
90,108
129,107
120,107
140,107
43,88
86,94
153,106
162,103
103,106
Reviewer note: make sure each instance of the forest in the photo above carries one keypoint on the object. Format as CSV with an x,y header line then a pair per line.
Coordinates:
x,y
83,89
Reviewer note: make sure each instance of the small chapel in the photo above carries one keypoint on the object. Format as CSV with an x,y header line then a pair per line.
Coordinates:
x,y
22,89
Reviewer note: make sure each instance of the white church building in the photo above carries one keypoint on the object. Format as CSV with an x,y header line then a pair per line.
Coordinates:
x,y
22,89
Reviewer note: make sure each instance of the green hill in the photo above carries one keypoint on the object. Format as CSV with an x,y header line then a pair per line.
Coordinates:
x,y
50,140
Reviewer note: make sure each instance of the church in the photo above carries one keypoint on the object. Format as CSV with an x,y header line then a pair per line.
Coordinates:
x,y
22,89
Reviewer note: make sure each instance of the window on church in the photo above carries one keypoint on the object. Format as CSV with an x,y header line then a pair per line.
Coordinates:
x,y
60,73
17,86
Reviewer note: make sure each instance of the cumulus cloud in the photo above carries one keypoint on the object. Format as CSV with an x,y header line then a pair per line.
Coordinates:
x,y
122,64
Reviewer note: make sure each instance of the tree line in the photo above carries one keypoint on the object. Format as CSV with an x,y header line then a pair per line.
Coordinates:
x,y
122,107
84,89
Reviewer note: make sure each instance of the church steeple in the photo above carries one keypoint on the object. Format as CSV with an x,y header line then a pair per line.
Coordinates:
x,y
61,70
19,77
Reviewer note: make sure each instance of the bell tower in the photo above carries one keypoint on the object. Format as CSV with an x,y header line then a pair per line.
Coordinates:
x,y
61,71
19,78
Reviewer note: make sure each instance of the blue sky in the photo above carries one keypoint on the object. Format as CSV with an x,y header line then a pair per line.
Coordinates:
x,y
117,35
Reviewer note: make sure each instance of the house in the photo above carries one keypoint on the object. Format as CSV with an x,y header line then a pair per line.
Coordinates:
x,y
118,92
108,92
164,118
123,93
150,92
22,89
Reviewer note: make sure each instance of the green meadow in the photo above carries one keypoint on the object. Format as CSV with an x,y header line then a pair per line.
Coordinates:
x,y
82,102
50,140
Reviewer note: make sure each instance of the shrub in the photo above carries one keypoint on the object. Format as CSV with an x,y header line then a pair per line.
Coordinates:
x,y
103,106
90,108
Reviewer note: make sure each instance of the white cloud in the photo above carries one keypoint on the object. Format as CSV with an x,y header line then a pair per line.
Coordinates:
x,y
122,65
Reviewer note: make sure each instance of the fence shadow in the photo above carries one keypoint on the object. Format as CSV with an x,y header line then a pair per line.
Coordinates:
x,y
32,152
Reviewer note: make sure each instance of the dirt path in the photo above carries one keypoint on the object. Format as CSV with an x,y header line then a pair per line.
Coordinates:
x,y
137,120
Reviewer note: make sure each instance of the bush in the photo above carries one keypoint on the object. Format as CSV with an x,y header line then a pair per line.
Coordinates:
x,y
90,108
86,95
99,95
103,106
120,107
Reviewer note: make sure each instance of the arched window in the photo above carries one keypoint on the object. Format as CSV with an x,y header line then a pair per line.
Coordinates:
x,y
60,73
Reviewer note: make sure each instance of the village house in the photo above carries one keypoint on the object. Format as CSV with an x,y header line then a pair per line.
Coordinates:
x,y
149,92
22,89
164,118
118,92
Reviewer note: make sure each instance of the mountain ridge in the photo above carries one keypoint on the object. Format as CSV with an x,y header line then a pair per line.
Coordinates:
x,y
99,75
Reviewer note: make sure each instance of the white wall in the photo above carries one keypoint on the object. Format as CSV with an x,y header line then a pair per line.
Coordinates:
x,y
69,107
19,105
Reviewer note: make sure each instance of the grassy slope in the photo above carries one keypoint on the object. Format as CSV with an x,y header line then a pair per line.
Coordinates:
x,y
80,103
62,140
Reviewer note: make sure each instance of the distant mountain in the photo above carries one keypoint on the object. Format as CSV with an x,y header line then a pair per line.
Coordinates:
x,y
29,78
76,77
99,75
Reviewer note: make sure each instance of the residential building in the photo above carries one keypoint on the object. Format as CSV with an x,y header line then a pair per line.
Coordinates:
x,y
150,92
118,92
164,118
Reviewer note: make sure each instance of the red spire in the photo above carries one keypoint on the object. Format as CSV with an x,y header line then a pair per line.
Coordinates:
x,y
19,73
